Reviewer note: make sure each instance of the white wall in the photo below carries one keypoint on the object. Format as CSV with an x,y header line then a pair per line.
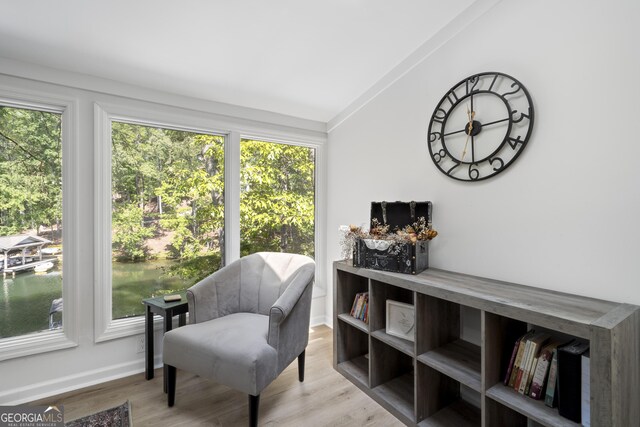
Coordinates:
x,y
565,215
37,376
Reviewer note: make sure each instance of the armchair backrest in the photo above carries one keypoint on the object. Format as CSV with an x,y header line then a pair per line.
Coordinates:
x,y
251,284
264,276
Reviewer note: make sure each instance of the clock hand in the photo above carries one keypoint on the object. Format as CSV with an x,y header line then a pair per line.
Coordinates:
x,y
483,125
464,150
468,130
494,122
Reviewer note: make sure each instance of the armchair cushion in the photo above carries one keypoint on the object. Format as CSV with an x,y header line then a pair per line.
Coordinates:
x,y
232,349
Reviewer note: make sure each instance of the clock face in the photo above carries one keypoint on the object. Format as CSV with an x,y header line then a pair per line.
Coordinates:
x,y
480,126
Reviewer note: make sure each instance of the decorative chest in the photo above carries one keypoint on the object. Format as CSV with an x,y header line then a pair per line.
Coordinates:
x,y
399,247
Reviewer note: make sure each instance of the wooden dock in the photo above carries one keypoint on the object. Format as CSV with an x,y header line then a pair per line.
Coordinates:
x,y
27,266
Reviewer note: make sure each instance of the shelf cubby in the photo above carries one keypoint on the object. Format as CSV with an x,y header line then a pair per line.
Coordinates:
x,y
502,333
352,353
459,359
439,342
465,329
350,285
438,397
380,293
392,378
458,414
529,408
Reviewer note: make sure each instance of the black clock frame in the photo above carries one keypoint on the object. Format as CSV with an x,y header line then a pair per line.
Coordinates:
x,y
441,115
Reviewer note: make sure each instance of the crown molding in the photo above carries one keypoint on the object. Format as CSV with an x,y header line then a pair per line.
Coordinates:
x,y
477,9
19,69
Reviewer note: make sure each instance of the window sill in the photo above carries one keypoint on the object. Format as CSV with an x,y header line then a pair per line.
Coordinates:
x,y
35,343
121,328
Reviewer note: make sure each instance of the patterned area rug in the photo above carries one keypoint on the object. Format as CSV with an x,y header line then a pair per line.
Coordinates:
x,y
120,416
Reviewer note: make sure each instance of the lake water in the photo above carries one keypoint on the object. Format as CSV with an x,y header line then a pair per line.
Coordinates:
x,y
26,299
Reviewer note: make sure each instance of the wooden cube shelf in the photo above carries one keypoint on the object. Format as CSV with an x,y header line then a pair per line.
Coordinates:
x,y
420,381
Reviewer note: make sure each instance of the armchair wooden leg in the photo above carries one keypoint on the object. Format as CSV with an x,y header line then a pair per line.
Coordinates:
x,y
171,384
301,366
254,402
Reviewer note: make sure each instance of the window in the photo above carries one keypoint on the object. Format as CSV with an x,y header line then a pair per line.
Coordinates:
x,y
277,198
30,219
37,307
179,195
167,223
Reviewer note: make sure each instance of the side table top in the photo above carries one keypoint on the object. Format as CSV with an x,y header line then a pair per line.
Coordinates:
x,y
161,304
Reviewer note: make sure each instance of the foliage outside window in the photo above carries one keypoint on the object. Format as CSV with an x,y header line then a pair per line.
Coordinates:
x,y
30,205
167,212
277,198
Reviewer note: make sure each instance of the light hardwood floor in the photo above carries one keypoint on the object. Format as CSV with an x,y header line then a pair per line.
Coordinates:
x,y
325,398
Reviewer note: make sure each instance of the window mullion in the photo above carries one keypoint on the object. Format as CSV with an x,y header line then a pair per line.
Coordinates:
x,y
232,197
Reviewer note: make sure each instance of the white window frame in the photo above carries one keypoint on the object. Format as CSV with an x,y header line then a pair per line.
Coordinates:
x,y
319,288
67,337
233,129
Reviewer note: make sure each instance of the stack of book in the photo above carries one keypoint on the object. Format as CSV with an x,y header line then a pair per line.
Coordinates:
x,y
534,370
360,307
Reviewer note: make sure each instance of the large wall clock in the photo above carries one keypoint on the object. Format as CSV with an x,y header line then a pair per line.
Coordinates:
x,y
480,126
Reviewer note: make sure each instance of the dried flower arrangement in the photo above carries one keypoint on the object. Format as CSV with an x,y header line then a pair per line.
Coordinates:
x,y
419,230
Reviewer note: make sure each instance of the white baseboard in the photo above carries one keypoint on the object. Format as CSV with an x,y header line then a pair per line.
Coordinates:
x,y
57,386
319,320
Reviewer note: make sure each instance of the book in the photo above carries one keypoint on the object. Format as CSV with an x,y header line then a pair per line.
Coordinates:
x,y
542,370
512,360
570,379
518,361
354,305
586,390
523,364
365,306
534,365
360,306
535,344
551,397
357,304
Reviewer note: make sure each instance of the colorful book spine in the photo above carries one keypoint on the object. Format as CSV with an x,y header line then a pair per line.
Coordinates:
x,y
518,361
354,306
523,364
530,373
537,341
360,307
514,353
550,397
541,372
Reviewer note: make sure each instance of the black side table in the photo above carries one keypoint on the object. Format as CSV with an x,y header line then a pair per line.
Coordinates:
x,y
158,306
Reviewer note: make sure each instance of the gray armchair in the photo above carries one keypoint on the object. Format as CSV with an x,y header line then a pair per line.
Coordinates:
x,y
248,321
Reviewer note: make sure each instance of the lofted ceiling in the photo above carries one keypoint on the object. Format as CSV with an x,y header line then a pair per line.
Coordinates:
x,y
302,58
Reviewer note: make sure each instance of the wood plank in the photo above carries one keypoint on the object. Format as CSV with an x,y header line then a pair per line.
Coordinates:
x,y
459,360
533,409
458,414
357,323
357,368
405,346
555,310
398,394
